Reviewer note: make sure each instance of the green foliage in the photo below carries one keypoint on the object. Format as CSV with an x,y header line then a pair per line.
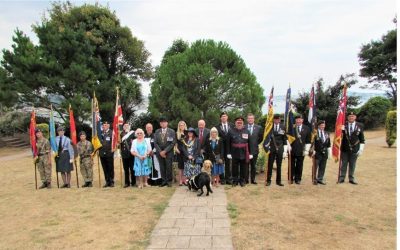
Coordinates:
x,y
373,113
81,49
378,61
327,100
45,129
391,127
262,159
202,80
14,122
141,120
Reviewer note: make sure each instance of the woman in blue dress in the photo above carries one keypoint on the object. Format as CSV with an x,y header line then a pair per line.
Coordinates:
x,y
190,150
214,151
141,149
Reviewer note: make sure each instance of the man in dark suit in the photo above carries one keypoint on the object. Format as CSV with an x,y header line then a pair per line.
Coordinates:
x,y
255,138
322,152
300,147
203,133
223,128
107,155
277,148
164,141
352,147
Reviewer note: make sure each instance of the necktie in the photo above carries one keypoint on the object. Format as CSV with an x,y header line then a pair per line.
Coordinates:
x,y
163,135
225,128
298,129
276,128
351,128
251,129
60,146
321,135
201,136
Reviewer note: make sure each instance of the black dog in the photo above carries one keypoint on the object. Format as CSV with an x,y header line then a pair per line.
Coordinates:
x,y
198,182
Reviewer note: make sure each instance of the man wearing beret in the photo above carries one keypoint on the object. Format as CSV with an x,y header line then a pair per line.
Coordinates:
x,y
107,155
223,128
43,159
300,147
322,152
352,147
164,141
239,151
85,149
277,147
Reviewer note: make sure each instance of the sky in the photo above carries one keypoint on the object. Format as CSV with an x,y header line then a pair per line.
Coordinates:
x,y
281,41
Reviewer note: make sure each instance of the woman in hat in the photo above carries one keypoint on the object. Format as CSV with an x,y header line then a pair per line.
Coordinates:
x,y
180,134
141,149
214,151
190,150
65,157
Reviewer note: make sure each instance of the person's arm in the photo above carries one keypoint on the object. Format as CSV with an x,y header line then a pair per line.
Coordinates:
x,y
158,149
133,148
70,150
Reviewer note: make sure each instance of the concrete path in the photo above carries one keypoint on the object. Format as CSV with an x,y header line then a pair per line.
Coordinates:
x,y
191,222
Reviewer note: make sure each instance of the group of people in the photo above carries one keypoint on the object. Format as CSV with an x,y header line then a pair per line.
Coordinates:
x,y
233,149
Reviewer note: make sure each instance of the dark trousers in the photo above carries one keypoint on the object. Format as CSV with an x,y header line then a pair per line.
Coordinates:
x,y
347,158
166,168
227,175
251,169
320,162
275,156
297,167
108,168
238,170
128,170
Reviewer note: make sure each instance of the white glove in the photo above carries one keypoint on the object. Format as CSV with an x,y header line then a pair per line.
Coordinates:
x,y
307,149
289,148
360,151
343,128
154,150
250,157
71,161
329,153
229,156
313,153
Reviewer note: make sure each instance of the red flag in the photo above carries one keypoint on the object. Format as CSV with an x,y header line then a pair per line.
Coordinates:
x,y
337,141
32,133
118,120
72,125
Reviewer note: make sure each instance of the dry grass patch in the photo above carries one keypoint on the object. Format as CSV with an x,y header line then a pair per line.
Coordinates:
x,y
328,217
76,218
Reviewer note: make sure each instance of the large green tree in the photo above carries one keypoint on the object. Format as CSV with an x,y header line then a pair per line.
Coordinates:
x,y
327,100
378,61
81,49
200,81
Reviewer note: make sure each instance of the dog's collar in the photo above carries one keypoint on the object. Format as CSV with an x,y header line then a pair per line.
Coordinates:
x,y
194,183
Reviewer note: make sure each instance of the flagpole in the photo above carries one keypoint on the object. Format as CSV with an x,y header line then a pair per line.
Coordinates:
x,y
98,168
344,115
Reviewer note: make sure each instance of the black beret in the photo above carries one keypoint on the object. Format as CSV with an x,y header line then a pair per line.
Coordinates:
x,y
37,130
351,113
105,122
61,128
239,118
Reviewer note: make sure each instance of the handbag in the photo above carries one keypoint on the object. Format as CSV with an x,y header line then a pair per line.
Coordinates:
x,y
199,160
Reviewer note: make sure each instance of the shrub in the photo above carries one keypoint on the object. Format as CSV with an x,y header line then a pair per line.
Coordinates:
x,y
14,122
373,113
391,127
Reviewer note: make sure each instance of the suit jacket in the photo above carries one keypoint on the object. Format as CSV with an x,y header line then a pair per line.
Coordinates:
x,y
236,136
206,135
223,135
351,143
320,146
210,154
255,138
167,144
126,145
278,138
106,140
301,140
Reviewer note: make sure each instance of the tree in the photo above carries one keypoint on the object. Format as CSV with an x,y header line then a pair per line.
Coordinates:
x,y
391,127
81,50
200,81
378,61
373,113
327,100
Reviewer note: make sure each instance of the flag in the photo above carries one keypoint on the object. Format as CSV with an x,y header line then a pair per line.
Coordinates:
x,y
312,114
269,123
32,133
118,121
289,118
340,119
52,127
72,125
96,123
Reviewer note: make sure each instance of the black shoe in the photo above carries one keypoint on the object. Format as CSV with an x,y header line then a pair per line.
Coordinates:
x,y
242,184
341,181
280,184
111,184
297,182
89,184
268,183
234,184
106,185
44,185
126,185
353,182
315,182
229,183
84,185
64,186
254,182
322,182
163,184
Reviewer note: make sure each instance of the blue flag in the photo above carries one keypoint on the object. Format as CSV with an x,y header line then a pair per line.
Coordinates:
x,y
52,127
